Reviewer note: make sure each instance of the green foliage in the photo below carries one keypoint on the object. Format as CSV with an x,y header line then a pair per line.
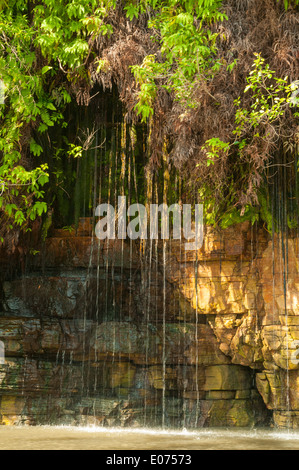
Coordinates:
x,y
65,29
45,45
214,147
146,75
25,103
270,98
187,45
62,32
289,3
75,151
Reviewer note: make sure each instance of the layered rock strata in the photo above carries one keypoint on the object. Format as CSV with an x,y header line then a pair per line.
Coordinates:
x,y
248,289
108,334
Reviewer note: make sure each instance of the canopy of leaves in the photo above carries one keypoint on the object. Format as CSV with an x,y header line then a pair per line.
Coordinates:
x,y
216,79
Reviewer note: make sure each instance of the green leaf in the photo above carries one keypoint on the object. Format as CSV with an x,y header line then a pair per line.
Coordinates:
x,y
51,106
132,11
35,148
46,69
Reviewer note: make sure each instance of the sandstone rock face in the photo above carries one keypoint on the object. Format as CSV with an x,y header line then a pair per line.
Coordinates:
x,y
104,333
250,297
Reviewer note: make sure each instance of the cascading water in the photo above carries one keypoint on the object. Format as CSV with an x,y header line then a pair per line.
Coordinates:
x,y
118,171
144,332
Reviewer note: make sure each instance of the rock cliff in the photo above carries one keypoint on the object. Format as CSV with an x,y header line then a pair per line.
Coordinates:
x,y
108,334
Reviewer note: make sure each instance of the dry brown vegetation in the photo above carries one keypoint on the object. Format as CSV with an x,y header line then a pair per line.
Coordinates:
x,y
253,26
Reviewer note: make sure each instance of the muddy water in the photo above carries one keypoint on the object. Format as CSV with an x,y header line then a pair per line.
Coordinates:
x,y
92,438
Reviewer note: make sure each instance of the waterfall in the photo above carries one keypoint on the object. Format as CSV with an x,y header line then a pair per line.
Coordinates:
x,y
151,383
142,332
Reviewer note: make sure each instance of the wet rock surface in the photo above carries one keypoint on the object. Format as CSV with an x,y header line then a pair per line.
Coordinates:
x,y
100,334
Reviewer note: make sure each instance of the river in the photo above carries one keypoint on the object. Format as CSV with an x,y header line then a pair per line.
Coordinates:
x,y
96,438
